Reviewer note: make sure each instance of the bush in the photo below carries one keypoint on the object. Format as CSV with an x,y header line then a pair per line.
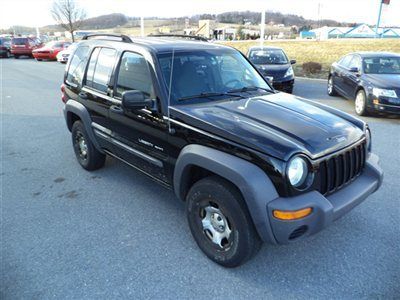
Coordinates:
x,y
312,67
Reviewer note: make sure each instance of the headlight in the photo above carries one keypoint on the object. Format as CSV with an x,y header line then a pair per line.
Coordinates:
x,y
368,140
297,171
385,93
289,72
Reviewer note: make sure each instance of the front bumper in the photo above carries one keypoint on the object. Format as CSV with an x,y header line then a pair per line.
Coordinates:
x,y
325,210
384,104
17,51
284,86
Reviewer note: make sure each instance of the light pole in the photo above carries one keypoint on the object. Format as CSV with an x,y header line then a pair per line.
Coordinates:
x,y
262,33
386,2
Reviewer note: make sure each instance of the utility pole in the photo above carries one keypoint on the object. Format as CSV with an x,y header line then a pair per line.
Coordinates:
x,y
142,26
262,33
386,2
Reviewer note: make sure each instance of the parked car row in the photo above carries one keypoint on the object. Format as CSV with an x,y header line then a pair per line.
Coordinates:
x,y
33,47
371,79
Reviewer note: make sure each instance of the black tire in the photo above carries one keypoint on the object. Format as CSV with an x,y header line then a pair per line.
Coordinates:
x,y
331,87
227,204
8,54
38,59
86,153
16,56
360,103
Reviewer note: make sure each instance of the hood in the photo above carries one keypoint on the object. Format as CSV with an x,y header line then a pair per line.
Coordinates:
x,y
277,71
385,81
279,125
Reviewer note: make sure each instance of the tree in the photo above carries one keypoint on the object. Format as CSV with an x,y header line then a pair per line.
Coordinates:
x,y
68,15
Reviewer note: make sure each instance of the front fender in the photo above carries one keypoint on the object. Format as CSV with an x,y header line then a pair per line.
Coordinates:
x,y
255,186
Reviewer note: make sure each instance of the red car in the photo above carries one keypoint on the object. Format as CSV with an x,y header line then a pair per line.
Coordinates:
x,y
24,46
50,50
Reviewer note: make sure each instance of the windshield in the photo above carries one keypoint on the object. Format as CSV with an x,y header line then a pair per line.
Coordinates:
x,y
268,57
203,72
381,65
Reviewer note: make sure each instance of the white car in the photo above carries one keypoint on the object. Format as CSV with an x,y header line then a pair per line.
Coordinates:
x,y
63,56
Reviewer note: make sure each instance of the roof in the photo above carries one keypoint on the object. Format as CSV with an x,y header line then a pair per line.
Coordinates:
x,y
264,47
367,54
160,44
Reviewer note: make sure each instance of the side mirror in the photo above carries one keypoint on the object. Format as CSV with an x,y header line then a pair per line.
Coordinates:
x,y
354,70
292,61
135,100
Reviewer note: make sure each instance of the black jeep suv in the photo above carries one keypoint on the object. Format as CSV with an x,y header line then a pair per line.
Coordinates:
x,y
252,165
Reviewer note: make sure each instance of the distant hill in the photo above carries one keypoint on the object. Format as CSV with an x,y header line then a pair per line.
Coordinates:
x,y
241,17
100,22
233,17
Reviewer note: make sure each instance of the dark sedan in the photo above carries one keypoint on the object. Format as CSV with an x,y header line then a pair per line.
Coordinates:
x,y
274,65
372,79
5,47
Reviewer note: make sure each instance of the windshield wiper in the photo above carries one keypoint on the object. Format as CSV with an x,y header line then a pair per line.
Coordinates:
x,y
250,88
209,95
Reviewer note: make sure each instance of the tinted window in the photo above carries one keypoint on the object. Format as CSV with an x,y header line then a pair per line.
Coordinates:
x,y
134,74
77,66
100,68
382,65
355,62
19,41
345,61
268,57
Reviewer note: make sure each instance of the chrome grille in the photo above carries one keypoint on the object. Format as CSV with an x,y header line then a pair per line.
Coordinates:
x,y
341,168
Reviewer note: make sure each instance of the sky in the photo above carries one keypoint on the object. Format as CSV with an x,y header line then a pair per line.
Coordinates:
x,y
37,12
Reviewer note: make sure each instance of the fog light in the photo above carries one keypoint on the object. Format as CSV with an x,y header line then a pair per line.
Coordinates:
x,y
292,214
375,101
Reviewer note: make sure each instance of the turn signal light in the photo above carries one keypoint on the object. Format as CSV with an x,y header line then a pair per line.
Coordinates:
x,y
292,214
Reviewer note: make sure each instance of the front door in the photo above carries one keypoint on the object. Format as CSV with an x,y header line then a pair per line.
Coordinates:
x,y
140,136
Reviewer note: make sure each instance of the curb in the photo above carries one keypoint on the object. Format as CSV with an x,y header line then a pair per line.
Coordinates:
x,y
315,79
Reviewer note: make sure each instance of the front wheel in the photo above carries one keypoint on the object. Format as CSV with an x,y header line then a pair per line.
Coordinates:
x,y
331,87
220,222
86,153
360,103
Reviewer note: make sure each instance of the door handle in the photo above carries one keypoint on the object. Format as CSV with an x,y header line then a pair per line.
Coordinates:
x,y
83,95
116,109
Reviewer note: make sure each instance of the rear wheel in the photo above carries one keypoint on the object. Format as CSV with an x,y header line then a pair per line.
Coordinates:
x,y
38,59
86,153
8,54
16,56
360,104
331,87
220,222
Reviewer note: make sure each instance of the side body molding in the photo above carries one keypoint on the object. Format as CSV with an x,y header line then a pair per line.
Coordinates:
x,y
255,186
74,107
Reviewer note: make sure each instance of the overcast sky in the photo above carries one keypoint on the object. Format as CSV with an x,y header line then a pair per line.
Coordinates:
x,y
37,12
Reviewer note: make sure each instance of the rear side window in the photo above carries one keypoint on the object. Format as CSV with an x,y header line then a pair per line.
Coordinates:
x,y
77,66
134,74
100,68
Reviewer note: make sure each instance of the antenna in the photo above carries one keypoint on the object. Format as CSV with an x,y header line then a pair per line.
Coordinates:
x,y
169,89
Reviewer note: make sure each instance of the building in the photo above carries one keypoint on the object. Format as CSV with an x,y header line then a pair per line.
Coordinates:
x,y
359,31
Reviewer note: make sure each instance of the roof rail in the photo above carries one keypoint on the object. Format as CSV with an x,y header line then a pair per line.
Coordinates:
x,y
184,36
124,38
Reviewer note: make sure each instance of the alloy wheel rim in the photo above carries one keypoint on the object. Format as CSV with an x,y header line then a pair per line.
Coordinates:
x,y
216,226
330,85
81,146
359,103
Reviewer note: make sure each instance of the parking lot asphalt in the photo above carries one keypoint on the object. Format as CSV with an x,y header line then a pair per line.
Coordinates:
x,y
70,234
